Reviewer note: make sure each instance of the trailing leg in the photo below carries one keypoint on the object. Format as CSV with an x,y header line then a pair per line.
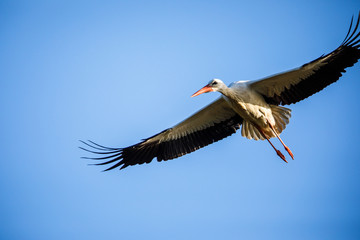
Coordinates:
x,y
277,135
276,150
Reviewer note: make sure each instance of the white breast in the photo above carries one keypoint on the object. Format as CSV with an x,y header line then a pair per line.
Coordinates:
x,y
249,104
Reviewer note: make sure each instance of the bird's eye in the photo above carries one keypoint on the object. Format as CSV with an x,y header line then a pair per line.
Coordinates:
x,y
214,83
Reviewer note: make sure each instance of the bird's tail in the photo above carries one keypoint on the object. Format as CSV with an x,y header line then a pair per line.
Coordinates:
x,y
281,116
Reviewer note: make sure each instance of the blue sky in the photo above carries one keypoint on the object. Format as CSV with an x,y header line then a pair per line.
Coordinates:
x,y
119,71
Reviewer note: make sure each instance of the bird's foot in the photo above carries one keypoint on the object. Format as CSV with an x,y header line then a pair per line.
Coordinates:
x,y
281,155
289,151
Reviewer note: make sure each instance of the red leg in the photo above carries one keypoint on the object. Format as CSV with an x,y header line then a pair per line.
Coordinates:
x,y
286,148
276,150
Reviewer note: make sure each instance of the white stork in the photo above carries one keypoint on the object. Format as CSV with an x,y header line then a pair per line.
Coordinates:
x,y
254,105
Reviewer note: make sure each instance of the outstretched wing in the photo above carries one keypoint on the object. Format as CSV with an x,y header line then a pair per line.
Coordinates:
x,y
212,123
298,84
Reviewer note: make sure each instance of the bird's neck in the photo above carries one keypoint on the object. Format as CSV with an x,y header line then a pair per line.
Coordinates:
x,y
227,92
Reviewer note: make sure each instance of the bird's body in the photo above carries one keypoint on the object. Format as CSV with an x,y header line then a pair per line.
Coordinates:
x,y
253,109
250,105
246,102
260,120
254,105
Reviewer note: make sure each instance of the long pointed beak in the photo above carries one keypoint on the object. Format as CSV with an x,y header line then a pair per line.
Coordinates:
x,y
203,90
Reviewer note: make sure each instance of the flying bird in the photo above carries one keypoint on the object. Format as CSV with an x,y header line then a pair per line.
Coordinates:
x,y
255,106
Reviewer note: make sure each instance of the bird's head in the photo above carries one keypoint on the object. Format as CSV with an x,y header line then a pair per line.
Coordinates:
x,y
215,85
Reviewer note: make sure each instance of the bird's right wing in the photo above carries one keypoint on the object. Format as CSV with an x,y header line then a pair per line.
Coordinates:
x,y
298,84
212,123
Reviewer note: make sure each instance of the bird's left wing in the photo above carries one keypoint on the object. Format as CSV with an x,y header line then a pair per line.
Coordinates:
x,y
298,84
214,122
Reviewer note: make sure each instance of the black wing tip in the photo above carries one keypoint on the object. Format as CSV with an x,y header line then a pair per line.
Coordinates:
x,y
118,157
351,40
110,154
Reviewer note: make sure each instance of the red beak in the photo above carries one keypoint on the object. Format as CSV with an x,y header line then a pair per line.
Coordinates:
x,y
203,90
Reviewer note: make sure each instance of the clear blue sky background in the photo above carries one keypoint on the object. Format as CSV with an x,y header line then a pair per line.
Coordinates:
x,y
119,71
